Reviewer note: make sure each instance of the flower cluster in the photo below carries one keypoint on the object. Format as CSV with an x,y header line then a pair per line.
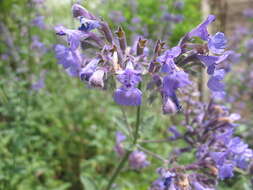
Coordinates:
x,y
219,154
129,64
208,128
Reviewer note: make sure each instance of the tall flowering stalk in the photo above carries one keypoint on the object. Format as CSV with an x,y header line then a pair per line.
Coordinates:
x,y
210,133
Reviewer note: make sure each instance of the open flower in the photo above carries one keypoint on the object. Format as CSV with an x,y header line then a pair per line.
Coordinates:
x,y
88,25
73,36
217,43
167,59
201,30
128,94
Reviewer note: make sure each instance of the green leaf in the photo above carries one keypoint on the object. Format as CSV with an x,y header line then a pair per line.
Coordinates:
x,y
88,183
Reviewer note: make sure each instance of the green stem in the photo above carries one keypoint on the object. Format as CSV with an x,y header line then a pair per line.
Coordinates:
x,y
118,169
128,152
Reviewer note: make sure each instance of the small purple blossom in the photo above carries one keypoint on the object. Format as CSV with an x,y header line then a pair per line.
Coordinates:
x,y
214,83
217,43
73,36
138,160
120,137
128,94
39,22
167,59
88,25
226,171
201,30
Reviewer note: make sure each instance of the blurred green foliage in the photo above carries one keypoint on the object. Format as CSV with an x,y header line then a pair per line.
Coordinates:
x,y
62,136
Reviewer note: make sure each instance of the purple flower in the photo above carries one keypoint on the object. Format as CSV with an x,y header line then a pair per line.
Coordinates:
x,y
120,137
128,94
212,61
38,45
88,25
226,171
214,82
138,160
73,36
248,13
173,18
219,157
39,84
158,184
217,43
167,59
201,30
39,22
68,59
179,4
171,83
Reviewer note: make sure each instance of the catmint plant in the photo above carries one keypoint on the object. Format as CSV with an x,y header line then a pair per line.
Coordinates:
x,y
208,128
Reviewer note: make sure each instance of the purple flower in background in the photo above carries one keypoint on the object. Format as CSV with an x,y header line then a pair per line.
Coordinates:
x,y
248,13
117,17
173,18
88,25
128,94
5,57
138,160
249,45
167,59
214,82
201,30
39,84
38,45
179,4
120,137
217,43
39,22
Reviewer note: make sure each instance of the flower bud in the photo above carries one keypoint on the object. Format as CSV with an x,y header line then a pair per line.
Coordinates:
x,y
169,107
97,79
78,11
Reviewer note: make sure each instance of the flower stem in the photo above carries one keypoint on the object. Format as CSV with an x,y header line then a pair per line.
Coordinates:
x,y
128,152
118,169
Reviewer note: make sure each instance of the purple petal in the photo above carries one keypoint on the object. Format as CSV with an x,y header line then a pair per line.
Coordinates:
x,y
201,30
128,97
